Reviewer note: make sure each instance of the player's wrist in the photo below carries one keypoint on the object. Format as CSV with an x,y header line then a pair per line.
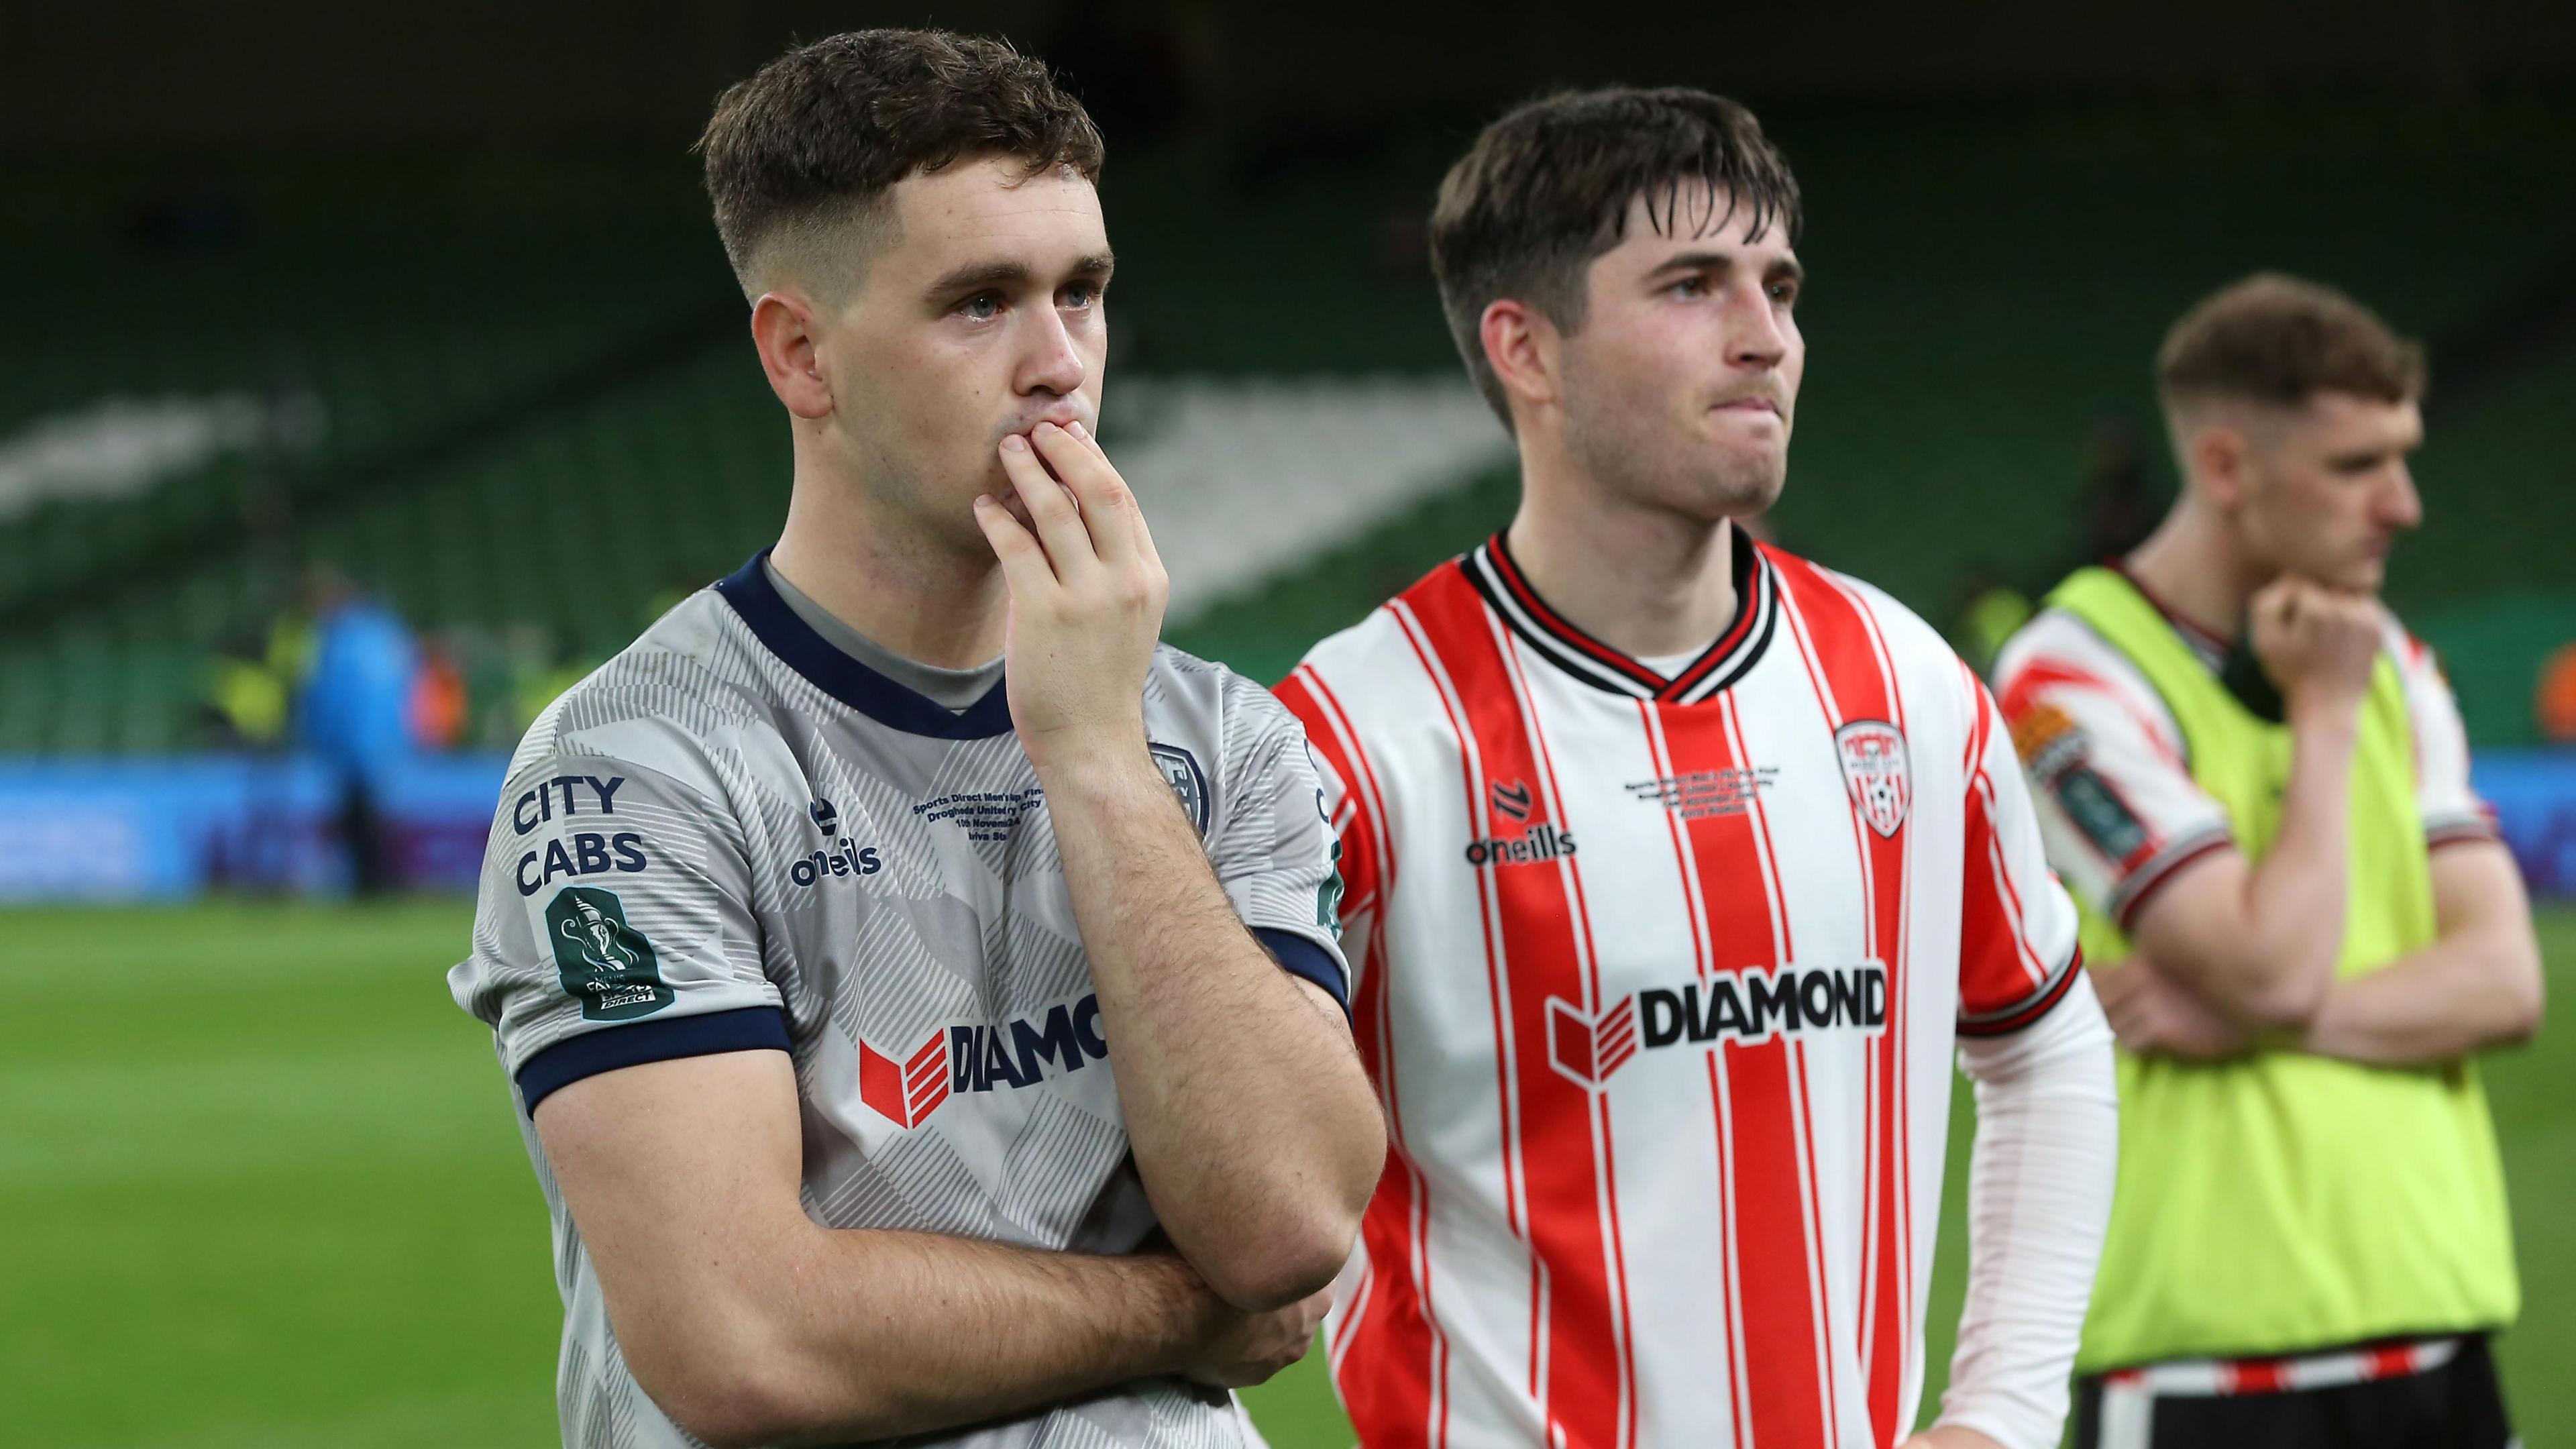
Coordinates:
x,y
2327,714
1097,762
1176,1310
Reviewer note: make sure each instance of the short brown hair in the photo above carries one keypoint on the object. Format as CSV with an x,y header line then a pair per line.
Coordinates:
x,y
819,135
1546,189
2276,339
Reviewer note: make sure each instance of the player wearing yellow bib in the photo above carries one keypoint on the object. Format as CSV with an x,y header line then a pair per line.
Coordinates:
x,y
2302,925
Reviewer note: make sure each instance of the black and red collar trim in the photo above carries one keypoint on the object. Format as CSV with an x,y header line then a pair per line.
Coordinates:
x,y
1494,573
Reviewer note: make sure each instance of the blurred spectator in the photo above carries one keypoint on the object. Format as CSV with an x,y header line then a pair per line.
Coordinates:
x,y
438,705
356,712
2556,706
249,701
251,688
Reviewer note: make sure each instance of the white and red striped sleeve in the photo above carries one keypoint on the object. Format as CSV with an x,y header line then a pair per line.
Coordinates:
x,y
2017,929
1352,802
2118,809
2450,806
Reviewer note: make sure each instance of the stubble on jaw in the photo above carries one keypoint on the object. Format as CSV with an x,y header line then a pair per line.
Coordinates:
x,y
1638,459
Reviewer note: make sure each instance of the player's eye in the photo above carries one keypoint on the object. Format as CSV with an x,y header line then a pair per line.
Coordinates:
x,y
1689,289
1081,295
1784,293
982,307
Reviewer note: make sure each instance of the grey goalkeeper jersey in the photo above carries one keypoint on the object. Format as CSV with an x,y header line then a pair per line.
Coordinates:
x,y
735,836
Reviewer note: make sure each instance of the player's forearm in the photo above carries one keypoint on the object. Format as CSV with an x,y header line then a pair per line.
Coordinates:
x,y
2276,973
2462,994
867,1335
2039,1197
1252,1122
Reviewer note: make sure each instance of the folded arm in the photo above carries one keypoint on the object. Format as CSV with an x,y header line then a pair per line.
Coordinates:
x,y
2257,942
2478,985
1254,1128
750,1324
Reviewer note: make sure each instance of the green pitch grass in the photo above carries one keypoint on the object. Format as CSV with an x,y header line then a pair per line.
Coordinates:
x,y
260,1189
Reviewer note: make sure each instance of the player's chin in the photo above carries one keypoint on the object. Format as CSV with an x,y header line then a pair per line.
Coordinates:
x,y
1747,479
1727,492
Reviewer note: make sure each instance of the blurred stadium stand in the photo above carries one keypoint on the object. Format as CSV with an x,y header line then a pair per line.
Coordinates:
x,y
506,386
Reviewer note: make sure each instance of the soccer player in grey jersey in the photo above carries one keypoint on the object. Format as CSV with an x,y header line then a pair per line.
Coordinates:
x,y
903,1058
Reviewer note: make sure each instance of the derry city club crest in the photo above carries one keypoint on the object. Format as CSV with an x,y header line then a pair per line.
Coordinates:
x,y
1876,772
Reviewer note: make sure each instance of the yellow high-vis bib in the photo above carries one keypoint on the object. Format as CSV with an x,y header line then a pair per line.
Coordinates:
x,y
2283,1201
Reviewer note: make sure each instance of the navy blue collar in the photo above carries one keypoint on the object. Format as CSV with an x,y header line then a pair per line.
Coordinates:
x,y
837,674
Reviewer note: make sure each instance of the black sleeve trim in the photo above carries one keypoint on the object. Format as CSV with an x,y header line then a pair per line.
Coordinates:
x,y
2021,1014
2461,832
744,1029
1300,957
2132,894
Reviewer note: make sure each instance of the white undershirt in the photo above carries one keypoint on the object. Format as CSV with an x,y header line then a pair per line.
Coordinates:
x,y
1671,665
2039,1202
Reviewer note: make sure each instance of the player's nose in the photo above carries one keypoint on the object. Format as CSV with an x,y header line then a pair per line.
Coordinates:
x,y
1755,337
1051,362
2400,505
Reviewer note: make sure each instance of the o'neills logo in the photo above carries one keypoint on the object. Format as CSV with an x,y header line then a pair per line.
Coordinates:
x,y
1540,842
1747,1007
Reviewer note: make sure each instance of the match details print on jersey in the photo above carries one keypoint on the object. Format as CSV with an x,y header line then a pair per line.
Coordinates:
x,y
1659,979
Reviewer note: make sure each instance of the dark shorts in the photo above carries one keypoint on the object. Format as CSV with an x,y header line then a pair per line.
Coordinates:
x,y
2370,1397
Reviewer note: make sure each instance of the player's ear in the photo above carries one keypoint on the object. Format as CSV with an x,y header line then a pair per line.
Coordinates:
x,y
1520,347
2220,453
783,328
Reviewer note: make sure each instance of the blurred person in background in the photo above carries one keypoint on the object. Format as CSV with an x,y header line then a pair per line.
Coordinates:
x,y
253,679
2553,704
439,707
904,1050
249,697
2302,923
355,712
1677,868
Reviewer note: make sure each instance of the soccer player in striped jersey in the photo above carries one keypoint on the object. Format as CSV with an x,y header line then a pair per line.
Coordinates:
x,y
2303,924
918,984
1677,868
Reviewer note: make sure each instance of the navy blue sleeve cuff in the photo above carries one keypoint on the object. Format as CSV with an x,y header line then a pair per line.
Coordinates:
x,y
1301,957
749,1028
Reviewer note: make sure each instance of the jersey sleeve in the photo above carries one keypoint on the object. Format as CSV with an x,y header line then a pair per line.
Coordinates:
x,y
1273,847
2118,809
2017,929
613,927
1350,805
2450,806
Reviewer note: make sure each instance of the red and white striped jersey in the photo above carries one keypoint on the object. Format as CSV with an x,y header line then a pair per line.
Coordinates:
x,y
1659,980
